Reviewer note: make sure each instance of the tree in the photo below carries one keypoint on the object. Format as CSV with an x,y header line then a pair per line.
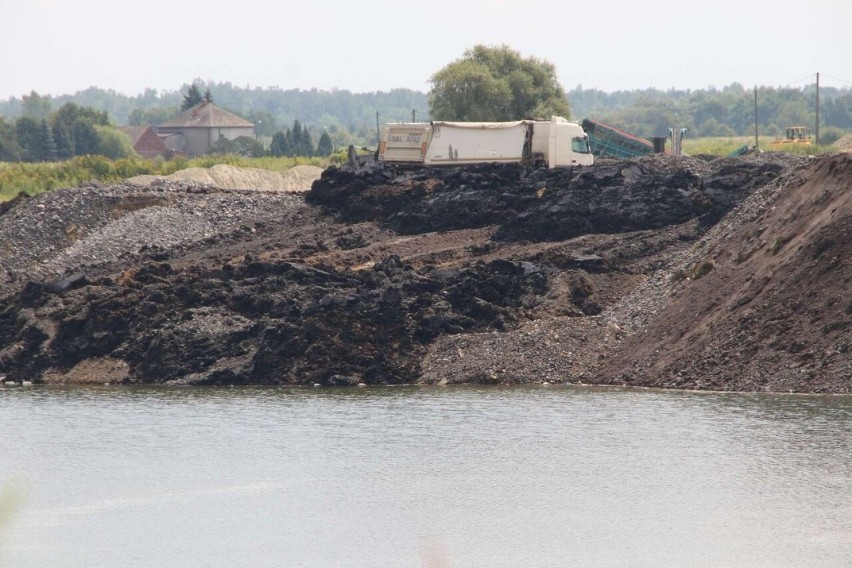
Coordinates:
x,y
70,113
74,129
293,142
10,150
839,111
46,146
306,145
85,138
208,96
296,140
325,147
496,84
153,115
192,97
279,145
35,106
27,136
64,145
113,143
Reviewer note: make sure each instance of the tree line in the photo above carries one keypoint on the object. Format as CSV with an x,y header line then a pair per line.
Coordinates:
x,y
295,142
347,117
729,111
292,143
79,131
338,118
40,134
45,136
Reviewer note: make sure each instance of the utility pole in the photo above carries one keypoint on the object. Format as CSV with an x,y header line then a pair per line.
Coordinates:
x,y
756,145
413,119
816,130
378,131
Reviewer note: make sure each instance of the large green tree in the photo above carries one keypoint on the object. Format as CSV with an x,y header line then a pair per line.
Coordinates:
x,y
495,83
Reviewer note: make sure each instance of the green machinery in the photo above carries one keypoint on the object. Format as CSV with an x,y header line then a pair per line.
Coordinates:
x,y
610,142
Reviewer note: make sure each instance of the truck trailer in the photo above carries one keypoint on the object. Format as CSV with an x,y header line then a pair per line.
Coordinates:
x,y
546,143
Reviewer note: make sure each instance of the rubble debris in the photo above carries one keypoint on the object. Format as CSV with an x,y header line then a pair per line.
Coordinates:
x,y
493,274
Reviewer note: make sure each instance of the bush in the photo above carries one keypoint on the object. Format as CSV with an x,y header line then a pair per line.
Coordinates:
x,y
242,145
114,144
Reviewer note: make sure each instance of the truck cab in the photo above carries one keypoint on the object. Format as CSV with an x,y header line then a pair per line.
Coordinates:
x,y
559,143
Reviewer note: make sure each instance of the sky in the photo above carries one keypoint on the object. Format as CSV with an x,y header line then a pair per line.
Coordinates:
x,y
59,47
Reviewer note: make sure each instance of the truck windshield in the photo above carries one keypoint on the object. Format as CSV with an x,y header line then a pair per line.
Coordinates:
x,y
580,145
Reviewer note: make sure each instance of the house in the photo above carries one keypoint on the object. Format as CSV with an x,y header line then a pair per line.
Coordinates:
x,y
196,130
147,142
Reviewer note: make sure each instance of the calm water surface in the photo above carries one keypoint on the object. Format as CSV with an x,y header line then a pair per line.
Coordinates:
x,y
414,477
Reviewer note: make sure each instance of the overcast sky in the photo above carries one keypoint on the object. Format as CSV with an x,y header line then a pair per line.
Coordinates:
x,y
62,46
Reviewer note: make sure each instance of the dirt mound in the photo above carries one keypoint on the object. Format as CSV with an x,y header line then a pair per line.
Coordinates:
x,y
728,274
92,228
222,176
844,144
546,204
764,301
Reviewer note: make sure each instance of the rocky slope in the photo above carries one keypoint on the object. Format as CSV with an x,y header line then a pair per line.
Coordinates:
x,y
764,301
659,271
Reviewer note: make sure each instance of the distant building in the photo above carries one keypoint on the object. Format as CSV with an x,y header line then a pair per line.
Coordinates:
x,y
196,130
147,142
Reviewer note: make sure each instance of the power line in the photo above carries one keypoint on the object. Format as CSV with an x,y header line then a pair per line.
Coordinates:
x,y
844,82
811,76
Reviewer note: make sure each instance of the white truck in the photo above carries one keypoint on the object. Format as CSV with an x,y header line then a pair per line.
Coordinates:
x,y
551,143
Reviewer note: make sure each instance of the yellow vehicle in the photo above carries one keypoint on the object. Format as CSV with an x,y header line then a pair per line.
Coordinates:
x,y
796,135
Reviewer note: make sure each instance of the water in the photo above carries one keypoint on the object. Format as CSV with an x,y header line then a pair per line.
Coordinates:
x,y
436,477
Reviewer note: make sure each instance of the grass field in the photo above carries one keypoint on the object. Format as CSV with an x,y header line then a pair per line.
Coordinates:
x,y
723,146
34,178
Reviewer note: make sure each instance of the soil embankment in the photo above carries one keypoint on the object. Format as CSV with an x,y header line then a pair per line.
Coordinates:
x,y
769,302
731,274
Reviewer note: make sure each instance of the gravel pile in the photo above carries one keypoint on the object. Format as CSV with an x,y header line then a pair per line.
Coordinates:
x,y
70,230
223,176
570,348
844,144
